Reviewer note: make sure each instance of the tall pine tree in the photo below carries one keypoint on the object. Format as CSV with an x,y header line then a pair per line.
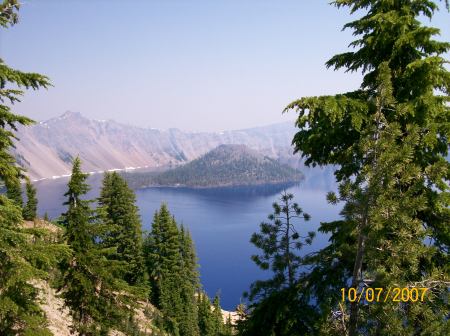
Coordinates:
x,y
190,284
163,258
19,311
88,286
172,265
276,307
280,243
80,282
30,208
205,315
117,209
389,141
19,256
14,190
217,319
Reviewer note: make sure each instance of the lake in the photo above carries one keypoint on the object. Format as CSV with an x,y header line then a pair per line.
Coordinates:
x,y
221,221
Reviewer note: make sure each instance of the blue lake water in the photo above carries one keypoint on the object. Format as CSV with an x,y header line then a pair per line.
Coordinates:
x,y
221,222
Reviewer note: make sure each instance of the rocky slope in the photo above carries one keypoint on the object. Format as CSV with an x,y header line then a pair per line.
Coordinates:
x,y
57,314
47,148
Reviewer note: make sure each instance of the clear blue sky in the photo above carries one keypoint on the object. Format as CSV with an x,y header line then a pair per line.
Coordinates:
x,y
194,65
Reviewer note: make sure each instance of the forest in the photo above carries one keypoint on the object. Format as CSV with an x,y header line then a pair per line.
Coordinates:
x,y
385,269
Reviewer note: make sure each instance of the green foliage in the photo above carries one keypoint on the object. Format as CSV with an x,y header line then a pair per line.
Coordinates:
x,y
77,219
80,279
389,141
29,210
206,323
14,191
172,265
228,328
278,307
164,264
189,259
210,320
217,320
226,165
279,241
162,252
8,13
18,307
190,284
118,211
95,297
281,313
24,254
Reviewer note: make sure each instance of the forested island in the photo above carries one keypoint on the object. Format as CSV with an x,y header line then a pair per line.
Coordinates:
x,y
224,166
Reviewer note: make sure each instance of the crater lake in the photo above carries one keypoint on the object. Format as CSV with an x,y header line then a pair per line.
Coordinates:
x,y
221,221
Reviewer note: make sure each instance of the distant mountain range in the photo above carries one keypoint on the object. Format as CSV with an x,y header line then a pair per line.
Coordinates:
x,y
226,165
46,149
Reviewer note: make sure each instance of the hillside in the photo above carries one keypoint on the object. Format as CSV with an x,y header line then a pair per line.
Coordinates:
x,y
47,148
57,314
226,165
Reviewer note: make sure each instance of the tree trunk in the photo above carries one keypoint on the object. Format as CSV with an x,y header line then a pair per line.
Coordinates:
x,y
357,270
362,237
288,258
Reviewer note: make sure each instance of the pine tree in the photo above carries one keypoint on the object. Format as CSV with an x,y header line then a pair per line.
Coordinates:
x,y
217,319
19,311
80,283
189,258
389,141
277,307
163,258
163,253
172,265
88,286
152,259
190,284
205,315
14,191
279,241
19,256
25,258
29,211
118,210
228,328
78,217
210,320
282,313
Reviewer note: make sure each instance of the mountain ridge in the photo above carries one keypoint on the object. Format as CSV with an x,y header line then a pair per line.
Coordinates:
x,y
47,148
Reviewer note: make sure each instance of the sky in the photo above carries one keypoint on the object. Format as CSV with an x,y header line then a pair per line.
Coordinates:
x,y
192,65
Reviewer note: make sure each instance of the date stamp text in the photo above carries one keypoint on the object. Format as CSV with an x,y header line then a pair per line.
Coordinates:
x,y
395,294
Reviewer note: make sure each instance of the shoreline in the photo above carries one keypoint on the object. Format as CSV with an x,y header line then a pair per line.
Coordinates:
x,y
126,169
222,186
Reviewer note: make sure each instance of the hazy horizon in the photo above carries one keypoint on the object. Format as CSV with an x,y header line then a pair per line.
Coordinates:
x,y
292,121
196,66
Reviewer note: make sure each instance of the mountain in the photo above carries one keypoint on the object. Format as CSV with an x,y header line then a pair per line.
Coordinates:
x,y
47,148
226,165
